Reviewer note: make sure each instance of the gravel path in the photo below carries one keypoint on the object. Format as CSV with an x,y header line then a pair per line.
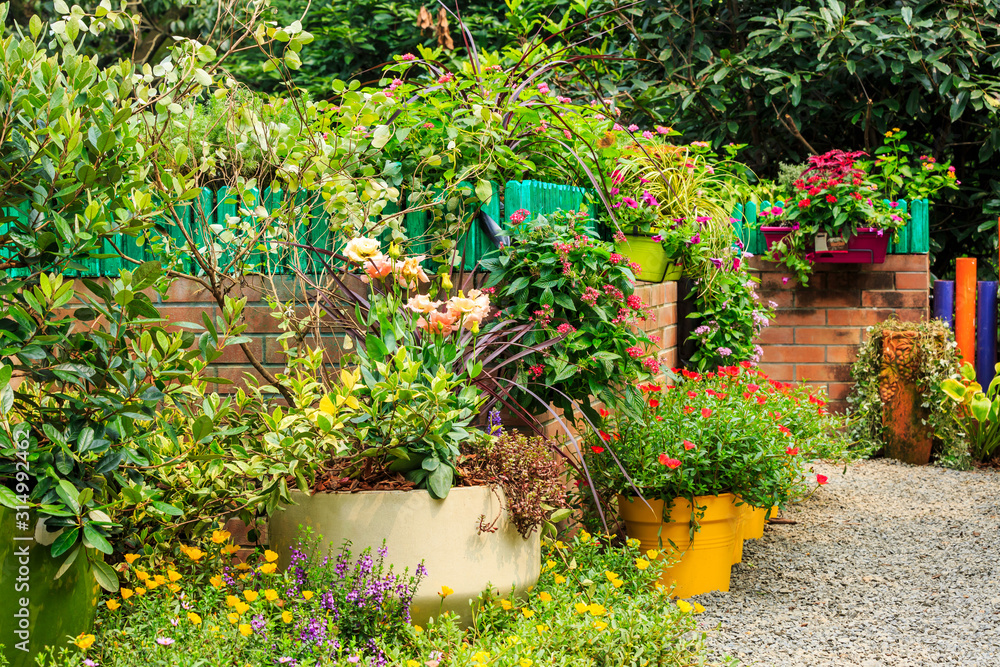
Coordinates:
x,y
888,565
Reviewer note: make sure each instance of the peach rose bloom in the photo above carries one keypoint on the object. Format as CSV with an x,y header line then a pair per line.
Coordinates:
x,y
421,303
360,249
442,323
409,274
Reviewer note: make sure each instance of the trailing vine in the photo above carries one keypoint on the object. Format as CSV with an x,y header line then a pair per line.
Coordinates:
x,y
939,361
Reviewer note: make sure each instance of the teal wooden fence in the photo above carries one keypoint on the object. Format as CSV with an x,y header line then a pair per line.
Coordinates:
x,y
537,197
914,237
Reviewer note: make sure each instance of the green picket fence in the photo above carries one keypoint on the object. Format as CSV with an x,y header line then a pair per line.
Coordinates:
x,y
537,197
914,237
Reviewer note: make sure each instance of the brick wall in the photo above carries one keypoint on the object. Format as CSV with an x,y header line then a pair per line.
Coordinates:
x,y
818,329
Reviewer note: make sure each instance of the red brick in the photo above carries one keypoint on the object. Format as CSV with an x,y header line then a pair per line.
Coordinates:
x,y
777,335
827,336
186,313
670,292
823,372
187,290
237,374
800,316
912,314
842,354
838,391
856,317
903,263
785,298
777,281
827,298
233,354
918,281
894,299
859,280
781,372
794,353
258,320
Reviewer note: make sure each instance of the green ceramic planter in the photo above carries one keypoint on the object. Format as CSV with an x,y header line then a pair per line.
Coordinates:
x,y
56,609
657,267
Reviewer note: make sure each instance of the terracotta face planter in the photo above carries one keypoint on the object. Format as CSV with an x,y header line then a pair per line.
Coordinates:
x,y
444,534
706,561
906,437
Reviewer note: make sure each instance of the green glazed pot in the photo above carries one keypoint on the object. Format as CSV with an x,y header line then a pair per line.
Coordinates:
x,y
55,609
657,267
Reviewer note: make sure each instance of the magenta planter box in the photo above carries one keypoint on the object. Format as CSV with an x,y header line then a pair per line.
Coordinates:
x,y
866,247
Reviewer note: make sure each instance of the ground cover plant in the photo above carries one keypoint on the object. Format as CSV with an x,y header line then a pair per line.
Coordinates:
x,y
591,606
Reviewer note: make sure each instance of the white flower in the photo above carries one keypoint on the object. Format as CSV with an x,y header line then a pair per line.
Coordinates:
x,y
360,249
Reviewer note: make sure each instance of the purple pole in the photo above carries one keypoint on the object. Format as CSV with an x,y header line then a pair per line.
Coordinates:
x,y
944,301
986,332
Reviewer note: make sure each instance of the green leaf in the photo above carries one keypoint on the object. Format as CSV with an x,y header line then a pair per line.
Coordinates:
x,y
439,481
70,559
954,389
69,495
166,508
106,577
64,542
92,538
8,498
484,191
980,408
381,136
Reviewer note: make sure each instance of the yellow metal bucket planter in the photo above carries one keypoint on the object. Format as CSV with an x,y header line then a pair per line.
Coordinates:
x,y
706,561
656,266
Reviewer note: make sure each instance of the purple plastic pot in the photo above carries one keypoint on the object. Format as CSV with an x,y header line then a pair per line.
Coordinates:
x,y
868,246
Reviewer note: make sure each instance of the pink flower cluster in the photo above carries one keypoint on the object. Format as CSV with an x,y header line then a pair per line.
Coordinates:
x,y
590,296
519,216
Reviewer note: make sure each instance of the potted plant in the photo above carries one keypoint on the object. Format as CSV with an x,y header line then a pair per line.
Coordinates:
x,y
403,455
706,445
834,216
977,412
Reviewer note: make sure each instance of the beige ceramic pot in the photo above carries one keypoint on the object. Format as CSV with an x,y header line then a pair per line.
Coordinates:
x,y
444,534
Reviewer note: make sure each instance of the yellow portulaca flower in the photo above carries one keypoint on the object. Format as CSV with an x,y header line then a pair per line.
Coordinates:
x,y
541,628
131,558
544,597
525,662
251,596
617,583
221,536
270,595
268,568
559,579
641,563
194,618
173,587
580,608
141,575
286,616
307,594
632,542
270,556
233,617
652,554
549,564
242,607
561,545
230,549
417,629
174,575
126,593
245,629
217,582
698,609
112,604
600,625
194,553
446,591
684,606
584,536
596,609
231,600
610,575
412,663
140,591
84,641
528,613
507,606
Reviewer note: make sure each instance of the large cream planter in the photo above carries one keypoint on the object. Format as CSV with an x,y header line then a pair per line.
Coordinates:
x,y
444,534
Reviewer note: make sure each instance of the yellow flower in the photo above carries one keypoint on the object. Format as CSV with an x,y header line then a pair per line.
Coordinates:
x,y
270,556
112,604
888,134
684,606
698,609
632,542
140,591
268,568
560,545
446,591
245,629
243,577
584,535
194,618
600,625
559,579
131,558
641,563
549,564
286,616
84,641
230,549
412,663
417,629
896,129
194,553
233,617
270,595
580,608
481,656
525,662
221,536
541,628
126,593
241,607
173,575
251,596
152,583
231,600
217,581
544,597
513,639
307,594
141,575
596,609
242,566
617,583
173,587
652,554
507,606
528,613
610,575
